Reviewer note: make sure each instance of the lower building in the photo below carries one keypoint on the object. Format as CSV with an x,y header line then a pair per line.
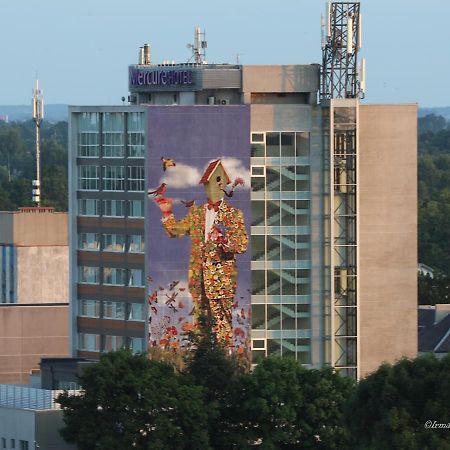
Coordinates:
x,y
30,419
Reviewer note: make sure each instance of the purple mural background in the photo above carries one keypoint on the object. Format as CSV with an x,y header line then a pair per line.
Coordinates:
x,y
192,136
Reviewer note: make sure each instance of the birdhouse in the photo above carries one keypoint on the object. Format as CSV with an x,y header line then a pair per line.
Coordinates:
x,y
215,179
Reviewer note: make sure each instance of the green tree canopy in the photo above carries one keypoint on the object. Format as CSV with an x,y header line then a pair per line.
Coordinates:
x,y
282,405
130,402
391,408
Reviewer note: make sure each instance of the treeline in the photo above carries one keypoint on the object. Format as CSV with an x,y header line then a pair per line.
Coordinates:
x,y
18,164
128,401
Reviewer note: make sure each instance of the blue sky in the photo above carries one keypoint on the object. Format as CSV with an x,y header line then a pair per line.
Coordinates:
x,y
80,50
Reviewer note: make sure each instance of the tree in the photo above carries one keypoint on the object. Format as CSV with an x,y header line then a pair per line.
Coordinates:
x,y
391,408
130,402
434,290
282,405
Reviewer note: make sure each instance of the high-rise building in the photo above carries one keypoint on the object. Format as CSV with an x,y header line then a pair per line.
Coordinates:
x,y
333,213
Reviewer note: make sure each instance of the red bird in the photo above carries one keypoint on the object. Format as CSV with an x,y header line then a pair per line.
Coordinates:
x,y
157,192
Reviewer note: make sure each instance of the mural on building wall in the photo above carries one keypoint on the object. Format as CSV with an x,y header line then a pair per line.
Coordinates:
x,y
198,225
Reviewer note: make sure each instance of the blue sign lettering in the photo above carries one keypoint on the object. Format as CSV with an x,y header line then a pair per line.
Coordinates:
x,y
161,77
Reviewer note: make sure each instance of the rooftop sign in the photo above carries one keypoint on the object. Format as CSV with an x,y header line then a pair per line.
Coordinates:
x,y
160,77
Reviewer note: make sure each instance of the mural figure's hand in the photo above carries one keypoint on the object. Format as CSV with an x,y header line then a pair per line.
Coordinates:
x,y
165,205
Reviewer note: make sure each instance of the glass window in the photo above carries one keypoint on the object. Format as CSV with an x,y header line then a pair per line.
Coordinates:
x,y
88,207
273,248
258,213
273,213
113,178
88,178
272,178
135,137
113,208
23,445
3,442
258,137
136,278
288,177
258,150
114,276
137,345
13,443
273,347
288,315
273,144
89,342
113,135
114,310
302,144
287,144
258,248
88,135
273,283
136,312
89,308
258,282
258,317
89,241
257,184
113,343
88,274
136,243
136,208
113,243
136,178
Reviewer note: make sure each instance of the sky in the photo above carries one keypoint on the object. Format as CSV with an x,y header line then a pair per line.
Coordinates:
x,y
80,50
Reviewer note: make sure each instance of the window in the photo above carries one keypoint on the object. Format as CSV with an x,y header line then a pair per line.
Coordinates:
x,y
113,178
113,208
89,342
136,178
88,274
23,445
113,243
88,135
89,241
136,312
114,310
113,343
136,243
136,208
13,443
113,135
137,345
88,207
3,442
114,276
88,178
89,308
135,137
136,278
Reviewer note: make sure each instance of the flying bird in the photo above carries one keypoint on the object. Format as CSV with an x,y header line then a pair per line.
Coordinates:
x,y
157,192
173,284
171,298
173,307
188,204
167,162
229,194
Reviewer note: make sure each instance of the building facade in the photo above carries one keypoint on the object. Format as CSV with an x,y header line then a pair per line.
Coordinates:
x,y
34,299
330,250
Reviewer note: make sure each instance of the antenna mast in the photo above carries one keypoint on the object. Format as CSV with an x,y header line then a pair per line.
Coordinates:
x,y
199,46
340,47
38,114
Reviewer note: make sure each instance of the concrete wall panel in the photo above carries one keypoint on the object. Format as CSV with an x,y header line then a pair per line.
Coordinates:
x,y
387,234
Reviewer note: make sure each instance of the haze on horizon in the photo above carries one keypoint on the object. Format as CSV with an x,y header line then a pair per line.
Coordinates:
x,y
80,51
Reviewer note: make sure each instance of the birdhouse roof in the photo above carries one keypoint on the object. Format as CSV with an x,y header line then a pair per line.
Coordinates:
x,y
212,167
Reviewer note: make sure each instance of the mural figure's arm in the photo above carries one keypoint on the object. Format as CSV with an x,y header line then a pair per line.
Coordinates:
x,y
172,226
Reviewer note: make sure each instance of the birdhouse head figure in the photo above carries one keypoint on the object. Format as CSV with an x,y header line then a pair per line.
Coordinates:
x,y
215,179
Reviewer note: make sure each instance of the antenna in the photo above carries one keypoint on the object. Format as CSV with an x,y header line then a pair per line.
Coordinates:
x,y
38,115
199,46
340,53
